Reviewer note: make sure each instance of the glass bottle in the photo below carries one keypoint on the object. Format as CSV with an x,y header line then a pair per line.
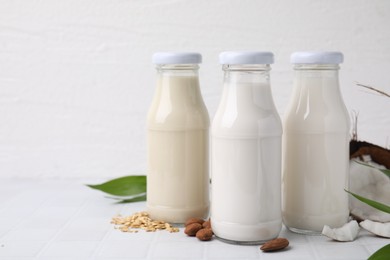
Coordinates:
x,y
246,153
177,141
315,146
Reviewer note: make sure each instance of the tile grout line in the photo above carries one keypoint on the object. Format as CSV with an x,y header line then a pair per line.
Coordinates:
x,y
101,243
313,250
365,246
206,251
366,249
62,228
151,246
22,219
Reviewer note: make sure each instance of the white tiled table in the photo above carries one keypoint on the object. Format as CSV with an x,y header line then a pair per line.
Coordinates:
x,y
63,219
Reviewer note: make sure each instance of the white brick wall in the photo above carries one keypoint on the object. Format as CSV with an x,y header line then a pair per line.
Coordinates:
x,y
76,78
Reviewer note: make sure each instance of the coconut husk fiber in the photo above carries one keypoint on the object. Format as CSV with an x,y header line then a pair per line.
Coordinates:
x,y
378,154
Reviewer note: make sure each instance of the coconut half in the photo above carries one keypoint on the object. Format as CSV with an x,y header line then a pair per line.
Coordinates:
x,y
373,184
377,228
348,232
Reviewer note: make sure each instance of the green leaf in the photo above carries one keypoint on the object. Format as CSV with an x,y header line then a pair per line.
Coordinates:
x,y
372,203
125,197
381,254
124,186
385,171
136,199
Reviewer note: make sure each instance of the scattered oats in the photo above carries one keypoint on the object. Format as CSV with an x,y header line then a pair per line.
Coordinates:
x,y
173,230
141,220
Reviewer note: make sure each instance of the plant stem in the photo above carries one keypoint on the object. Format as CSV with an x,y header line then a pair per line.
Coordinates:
x,y
374,89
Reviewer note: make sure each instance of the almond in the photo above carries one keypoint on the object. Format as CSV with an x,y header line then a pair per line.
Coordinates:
x,y
192,229
194,220
207,224
276,244
204,234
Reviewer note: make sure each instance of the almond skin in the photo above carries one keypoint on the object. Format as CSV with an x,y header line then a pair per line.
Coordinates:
x,y
194,220
192,229
204,234
274,245
207,224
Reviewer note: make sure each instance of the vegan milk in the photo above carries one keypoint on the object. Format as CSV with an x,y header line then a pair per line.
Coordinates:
x,y
246,153
177,137
315,146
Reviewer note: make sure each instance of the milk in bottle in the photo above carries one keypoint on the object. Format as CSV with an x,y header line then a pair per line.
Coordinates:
x,y
315,146
177,137
246,153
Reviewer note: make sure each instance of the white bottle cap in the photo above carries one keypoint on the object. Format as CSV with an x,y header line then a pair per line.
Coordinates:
x,y
177,58
317,57
246,57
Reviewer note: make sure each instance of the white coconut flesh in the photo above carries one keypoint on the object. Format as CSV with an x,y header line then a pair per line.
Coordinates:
x,y
377,228
348,232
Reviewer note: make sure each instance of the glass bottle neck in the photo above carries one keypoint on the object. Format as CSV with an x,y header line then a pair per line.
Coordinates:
x,y
257,73
178,84
247,89
178,69
177,104
318,76
313,71
316,106
316,67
